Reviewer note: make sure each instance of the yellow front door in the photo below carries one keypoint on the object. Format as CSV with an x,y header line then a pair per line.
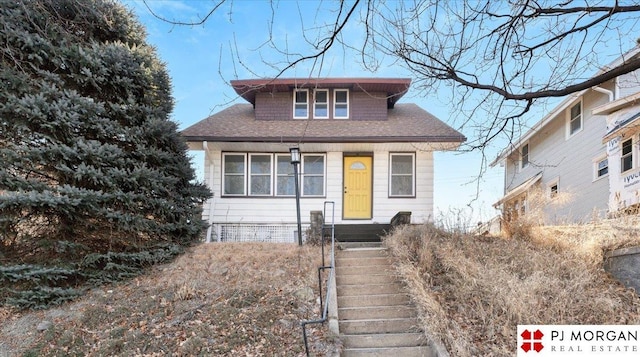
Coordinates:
x,y
357,187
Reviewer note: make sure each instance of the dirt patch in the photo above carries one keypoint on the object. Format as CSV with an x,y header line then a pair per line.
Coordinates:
x,y
226,299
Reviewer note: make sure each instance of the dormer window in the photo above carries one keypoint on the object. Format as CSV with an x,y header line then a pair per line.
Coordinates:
x,y
341,104
321,104
301,104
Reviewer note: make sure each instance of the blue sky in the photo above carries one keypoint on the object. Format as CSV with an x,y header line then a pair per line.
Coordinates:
x,y
201,60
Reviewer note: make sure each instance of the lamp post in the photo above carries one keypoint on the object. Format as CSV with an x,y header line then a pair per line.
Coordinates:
x,y
295,161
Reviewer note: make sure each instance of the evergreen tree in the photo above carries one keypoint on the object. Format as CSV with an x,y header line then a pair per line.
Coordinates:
x,y
88,153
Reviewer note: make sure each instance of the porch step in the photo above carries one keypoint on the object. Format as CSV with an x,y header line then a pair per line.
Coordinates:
x,y
370,232
375,315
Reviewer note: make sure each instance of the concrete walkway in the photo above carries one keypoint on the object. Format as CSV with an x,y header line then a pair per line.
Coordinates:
x,y
375,315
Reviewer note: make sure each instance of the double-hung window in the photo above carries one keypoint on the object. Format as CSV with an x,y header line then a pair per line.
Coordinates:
x,y
575,119
402,175
341,104
313,169
321,104
524,156
626,161
234,174
301,104
285,182
601,168
260,174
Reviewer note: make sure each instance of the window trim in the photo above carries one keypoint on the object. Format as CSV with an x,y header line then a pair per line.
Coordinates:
x,y
568,133
315,103
250,174
295,103
224,175
596,161
413,174
622,155
335,103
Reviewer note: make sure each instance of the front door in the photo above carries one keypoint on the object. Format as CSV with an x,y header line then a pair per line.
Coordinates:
x,y
357,187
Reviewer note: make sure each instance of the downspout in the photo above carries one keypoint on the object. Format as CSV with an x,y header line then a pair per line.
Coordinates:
x,y
208,162
605,91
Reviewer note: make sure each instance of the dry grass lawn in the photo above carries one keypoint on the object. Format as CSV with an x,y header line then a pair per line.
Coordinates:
x,y
473,291
226,299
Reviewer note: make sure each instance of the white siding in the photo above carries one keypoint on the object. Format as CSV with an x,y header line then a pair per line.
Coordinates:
x,y
628,84
282,210
570,160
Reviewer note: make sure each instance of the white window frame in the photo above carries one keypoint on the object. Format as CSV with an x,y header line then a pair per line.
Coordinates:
x,y
596,167
295,104
632,153
413,174
550,184
303,174
316,103
335,103
569,134
523,164
278,174
224,174
250,175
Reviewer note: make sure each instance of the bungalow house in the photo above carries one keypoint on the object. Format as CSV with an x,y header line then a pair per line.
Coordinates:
x,y
561,169
360,148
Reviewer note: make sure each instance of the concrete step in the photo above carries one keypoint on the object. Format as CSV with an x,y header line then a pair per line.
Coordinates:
x,y
375,326
376,312
352,245
385,340
343,262
362,270
362,253
373,300
368,289
374,279
421,351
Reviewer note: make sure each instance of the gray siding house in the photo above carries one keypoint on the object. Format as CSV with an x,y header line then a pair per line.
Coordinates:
x,y
360,148
560,169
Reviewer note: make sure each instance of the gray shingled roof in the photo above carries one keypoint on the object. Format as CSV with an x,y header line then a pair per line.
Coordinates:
x,y
406,122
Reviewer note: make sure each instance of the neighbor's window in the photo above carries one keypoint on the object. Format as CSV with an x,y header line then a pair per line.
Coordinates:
x,y
553,190
626,162
402,176
575,119
260,174
524,159
234,174
301,103
285,182
602,167
321,104
341,103
313,175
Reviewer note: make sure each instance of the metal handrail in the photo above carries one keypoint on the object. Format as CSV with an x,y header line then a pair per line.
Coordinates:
x,y
324,310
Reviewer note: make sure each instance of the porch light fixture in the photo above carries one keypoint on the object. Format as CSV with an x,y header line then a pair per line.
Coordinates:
x,y
295,161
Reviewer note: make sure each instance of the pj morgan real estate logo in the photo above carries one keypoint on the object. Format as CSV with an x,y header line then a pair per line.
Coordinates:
x,y
578,340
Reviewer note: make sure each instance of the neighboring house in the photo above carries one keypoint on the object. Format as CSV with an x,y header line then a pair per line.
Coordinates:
x,y
359,148
560,169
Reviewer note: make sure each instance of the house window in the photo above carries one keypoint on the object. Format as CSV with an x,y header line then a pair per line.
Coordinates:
x,y
553,190
313,175
401,181
301,104
260,175
626,162
601,168
285,182
234,174
575,119
321,104
341,103
524,156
